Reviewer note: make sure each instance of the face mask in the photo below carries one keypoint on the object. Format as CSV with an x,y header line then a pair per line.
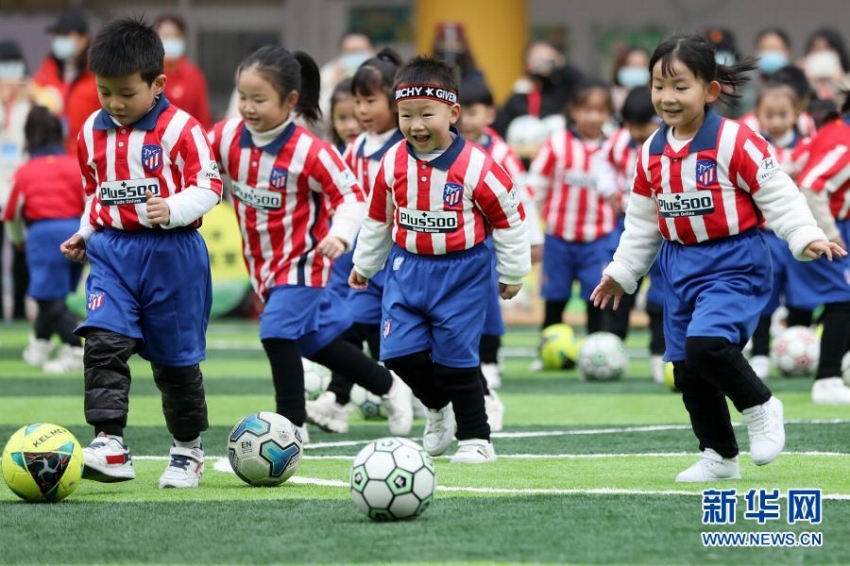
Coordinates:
x,y
351,61
772,61
725,58
630,77
12,70
63,47
823,65
541,67
173,47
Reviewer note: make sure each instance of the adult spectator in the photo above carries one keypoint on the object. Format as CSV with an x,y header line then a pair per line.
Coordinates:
x,y
186,86
826,62
354,49
631,69
450,45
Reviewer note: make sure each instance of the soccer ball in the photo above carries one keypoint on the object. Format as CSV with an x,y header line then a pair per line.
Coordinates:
x,y
264,449
316,379
796,351
558,347
392,478
367,403
602,357
669,377
845,368
42,463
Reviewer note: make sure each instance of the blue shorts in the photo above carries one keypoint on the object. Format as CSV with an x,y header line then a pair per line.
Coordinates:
x,y
717,289
52,276
312,316
436,303
564,262
780,256
818,282
494,324
154,286
657,286
365,305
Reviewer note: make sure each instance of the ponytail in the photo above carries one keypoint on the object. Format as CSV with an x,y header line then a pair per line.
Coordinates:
x,y
287,72
311,84
731,77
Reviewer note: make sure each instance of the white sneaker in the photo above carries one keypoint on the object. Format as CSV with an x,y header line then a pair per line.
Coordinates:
x,y
495,411
492,374
711,466
419,410
761,365
474,451
766,430
185,468
301,432
536,365
327,414
830,391
398,403
656,368
439,430
37,352
70,359
107,460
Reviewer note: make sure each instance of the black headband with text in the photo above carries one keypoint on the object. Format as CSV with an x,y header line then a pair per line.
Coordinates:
x,y
431,92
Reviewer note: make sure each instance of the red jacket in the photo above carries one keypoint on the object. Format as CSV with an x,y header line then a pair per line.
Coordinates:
x,y
46,187
186,88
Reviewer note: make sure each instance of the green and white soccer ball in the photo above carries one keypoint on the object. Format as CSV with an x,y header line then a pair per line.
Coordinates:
x,y
392,478
367,403
558,347
602,357
264,449
796,351
316,379
42,463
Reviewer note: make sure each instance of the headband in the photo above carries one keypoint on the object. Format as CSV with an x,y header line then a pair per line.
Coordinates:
x,y
431,92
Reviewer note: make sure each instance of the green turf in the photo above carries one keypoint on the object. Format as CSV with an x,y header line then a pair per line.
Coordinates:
x,y
564,442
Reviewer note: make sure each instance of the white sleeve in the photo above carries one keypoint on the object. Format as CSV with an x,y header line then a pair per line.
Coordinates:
x,y
513,255
86,229
346,221
189,204
819,205
373,247
532,220
604,174
787,213
639,243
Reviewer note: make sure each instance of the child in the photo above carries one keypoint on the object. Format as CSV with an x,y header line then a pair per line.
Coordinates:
x,y
702,186
46,195
149,177
371,88
614,167
437,198
285,182
579,221
344,125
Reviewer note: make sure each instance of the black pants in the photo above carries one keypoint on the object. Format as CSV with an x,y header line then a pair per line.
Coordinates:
x,y
554,314
835,341
358,333
54,317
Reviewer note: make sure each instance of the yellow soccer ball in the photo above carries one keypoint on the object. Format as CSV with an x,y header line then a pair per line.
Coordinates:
x,y
558,347
42,463
669,380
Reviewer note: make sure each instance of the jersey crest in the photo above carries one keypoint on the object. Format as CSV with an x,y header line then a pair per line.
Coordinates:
x,y
452,193
277,178
706,172
152,157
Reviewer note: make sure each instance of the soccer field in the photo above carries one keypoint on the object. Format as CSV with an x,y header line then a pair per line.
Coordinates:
x,y
585,476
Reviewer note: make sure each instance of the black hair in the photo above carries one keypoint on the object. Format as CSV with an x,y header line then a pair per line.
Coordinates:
x,y
583,90
835,40
778,32
10,51
126,47
697,54
794,77
621,61
287,72
426,70
778,86
170,18
42,129
377,74
340,92
823,111
475,91
637,108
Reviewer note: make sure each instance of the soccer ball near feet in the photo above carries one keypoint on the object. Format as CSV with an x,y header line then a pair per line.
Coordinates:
x,y
42,463
264,449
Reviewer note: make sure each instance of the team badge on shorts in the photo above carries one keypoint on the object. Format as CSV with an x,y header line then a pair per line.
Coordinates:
x,y
152,157
277,180
452,193
706,173
94,301
386,327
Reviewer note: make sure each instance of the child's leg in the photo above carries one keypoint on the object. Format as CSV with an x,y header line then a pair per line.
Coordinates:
x,y
417,371
798,317
617,321
656,329
553,313
184,402
54,317
341,385
464,390
342,356
708,411
107,380
835,341
761,337
595,317
287,377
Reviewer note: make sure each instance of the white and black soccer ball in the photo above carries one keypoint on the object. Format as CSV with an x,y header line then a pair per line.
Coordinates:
x,y
264,449
316,379
602,357
392,478
796,351
367,403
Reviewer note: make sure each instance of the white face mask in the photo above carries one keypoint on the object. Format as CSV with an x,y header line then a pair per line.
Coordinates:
x,y
173,47
12,70
63,47
823,65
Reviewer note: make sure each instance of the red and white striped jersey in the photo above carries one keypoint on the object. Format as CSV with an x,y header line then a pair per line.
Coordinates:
x,y
622,153
365,167
165,152
828,168
806,126
46,187
283,194
704,191
792,156
561,176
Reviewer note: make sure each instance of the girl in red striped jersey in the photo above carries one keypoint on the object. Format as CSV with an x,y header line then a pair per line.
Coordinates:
x,y
285,182
344,126
702,186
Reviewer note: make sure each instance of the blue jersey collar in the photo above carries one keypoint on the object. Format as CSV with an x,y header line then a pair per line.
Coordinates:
x,y
447,158
104,121
377,155
275,146
706,137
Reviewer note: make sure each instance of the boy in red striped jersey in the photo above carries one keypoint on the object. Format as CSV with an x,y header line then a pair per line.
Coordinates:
x,y
149,177
703,186
437,198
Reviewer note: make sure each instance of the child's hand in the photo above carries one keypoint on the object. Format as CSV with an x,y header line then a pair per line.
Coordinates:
x,y
615,201
820,247
605,291
158,212
74,248
536,254
508,292
331,247
357,281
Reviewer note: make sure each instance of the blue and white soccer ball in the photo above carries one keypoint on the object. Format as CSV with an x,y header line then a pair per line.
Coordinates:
x,y
393,478
367,403
602,357
264,449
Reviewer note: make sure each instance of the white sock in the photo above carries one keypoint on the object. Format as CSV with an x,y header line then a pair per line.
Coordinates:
x,y
189,444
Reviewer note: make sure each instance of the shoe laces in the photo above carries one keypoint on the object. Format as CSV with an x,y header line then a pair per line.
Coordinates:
x,y
179,461
434,422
